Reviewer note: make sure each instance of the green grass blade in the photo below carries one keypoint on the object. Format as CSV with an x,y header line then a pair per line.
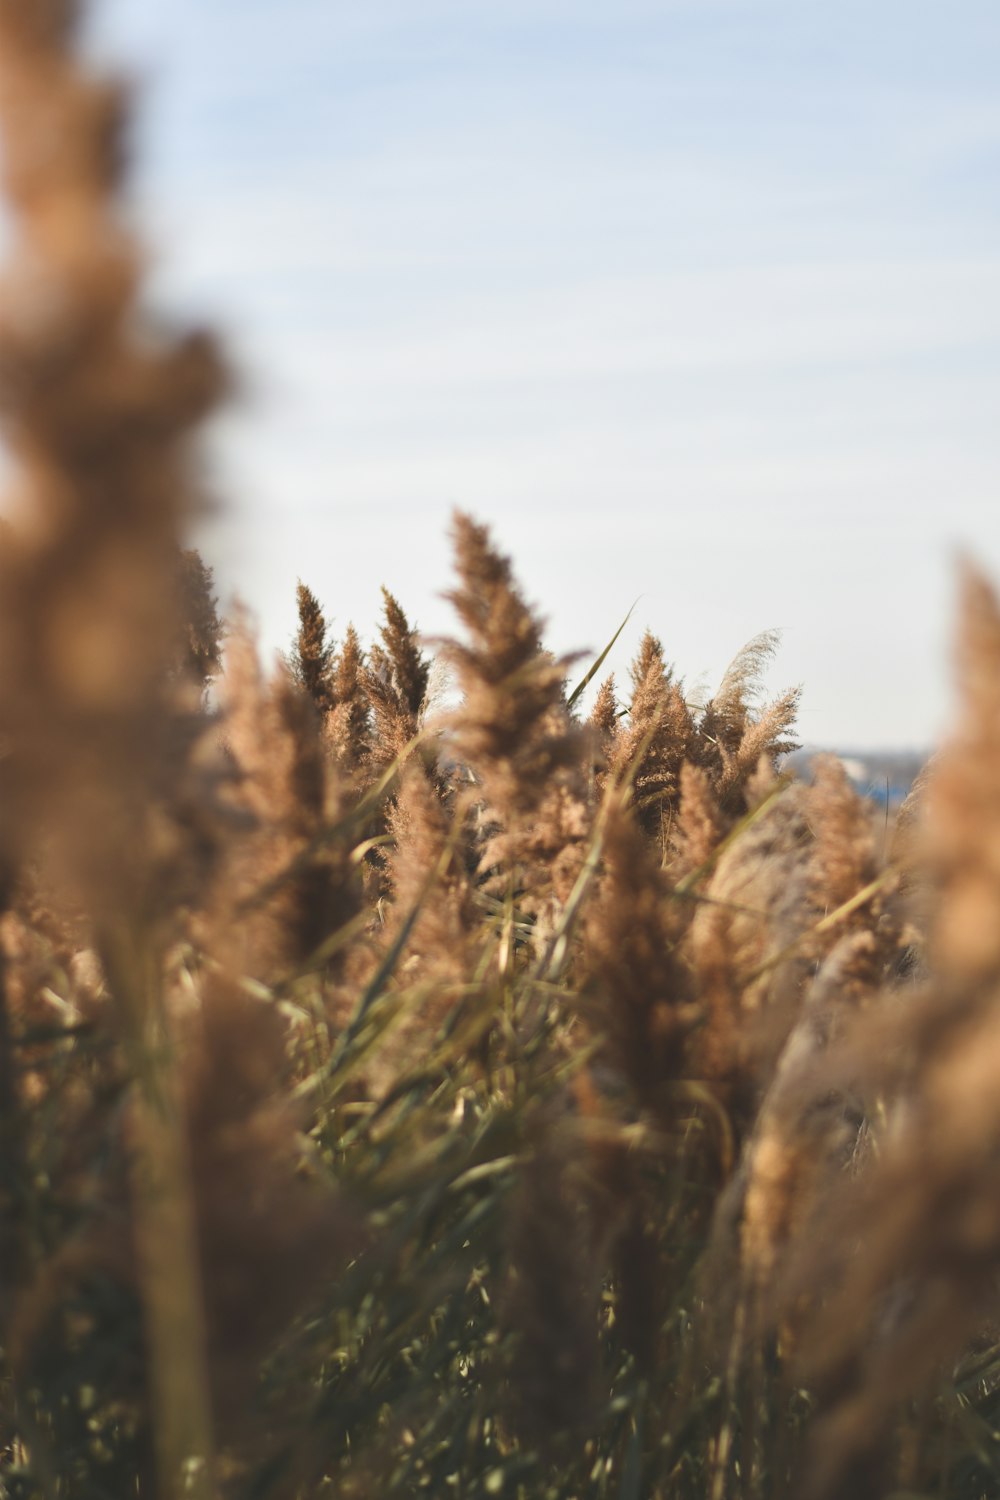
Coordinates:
x,y
596,665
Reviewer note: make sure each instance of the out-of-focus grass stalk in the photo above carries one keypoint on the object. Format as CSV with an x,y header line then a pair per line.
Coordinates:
x,y
164,1217
99,416
10,1155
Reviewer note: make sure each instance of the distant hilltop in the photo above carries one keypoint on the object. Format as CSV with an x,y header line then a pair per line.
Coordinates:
x,y
885,776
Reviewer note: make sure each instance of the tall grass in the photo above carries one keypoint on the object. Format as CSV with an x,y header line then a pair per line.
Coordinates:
x,y
486,1102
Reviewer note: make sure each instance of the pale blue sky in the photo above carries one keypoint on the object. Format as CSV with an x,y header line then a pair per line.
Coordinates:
x,y
693,301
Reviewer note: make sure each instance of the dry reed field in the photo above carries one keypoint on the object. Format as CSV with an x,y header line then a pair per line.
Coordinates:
x,y
478,1101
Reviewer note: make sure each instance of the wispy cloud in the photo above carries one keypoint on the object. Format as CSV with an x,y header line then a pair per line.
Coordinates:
x,y
682,295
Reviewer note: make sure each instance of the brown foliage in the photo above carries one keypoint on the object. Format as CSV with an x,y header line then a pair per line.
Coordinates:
x,y
312,655
642,1000
279,893
237,958
513,730
923,1212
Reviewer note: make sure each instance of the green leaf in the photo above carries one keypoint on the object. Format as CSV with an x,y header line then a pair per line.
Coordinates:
x,y
595,666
